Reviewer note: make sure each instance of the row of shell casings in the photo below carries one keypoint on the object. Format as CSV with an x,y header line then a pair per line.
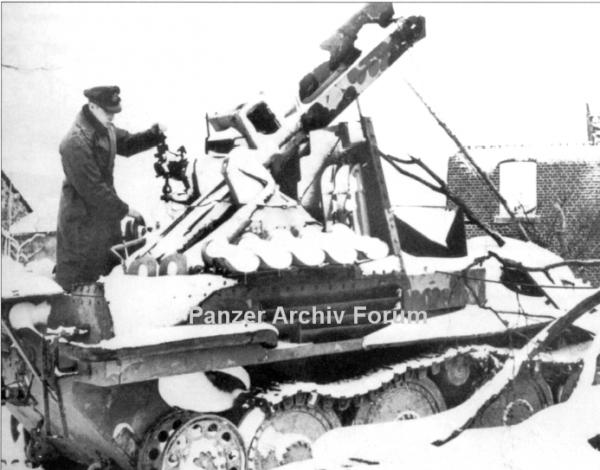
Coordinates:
x,y
280,251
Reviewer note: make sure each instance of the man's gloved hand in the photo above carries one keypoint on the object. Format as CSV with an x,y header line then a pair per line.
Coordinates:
x,y
133,225
139,218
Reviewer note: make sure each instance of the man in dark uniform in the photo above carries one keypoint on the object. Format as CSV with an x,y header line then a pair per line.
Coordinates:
x,y
90,212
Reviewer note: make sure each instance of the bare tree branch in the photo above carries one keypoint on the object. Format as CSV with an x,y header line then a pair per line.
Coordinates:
x,y
491,390
562,231
28,69
470,159
544,269
518,265
484,305
442,189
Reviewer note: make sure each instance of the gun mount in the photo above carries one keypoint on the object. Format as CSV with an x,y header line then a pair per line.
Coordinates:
x,y
262,153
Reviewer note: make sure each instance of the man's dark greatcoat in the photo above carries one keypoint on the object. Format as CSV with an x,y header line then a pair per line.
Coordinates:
x,y
90,211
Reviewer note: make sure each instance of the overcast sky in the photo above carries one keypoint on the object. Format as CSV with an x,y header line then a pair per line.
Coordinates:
x,y
497,74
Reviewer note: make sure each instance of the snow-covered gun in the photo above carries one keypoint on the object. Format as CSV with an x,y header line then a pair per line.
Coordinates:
x,y
257,143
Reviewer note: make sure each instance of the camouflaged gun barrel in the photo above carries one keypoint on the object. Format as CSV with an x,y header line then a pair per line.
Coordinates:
x,y
351,75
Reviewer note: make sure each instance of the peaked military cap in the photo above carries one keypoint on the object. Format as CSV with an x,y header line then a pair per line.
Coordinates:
x,y
107,97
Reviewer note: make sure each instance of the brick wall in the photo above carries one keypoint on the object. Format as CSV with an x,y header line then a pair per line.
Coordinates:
x,y
575,185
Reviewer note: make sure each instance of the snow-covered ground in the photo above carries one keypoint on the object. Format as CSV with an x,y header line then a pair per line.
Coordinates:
x,y
554,438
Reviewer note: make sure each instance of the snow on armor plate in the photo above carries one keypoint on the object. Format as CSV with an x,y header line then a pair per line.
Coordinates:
x,y
474,320
138,302
19,283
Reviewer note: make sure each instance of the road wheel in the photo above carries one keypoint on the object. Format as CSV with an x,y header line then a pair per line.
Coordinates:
x,y
405,398
527,395
285,433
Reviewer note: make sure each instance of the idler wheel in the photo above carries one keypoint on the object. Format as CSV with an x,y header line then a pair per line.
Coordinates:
x,y
407,398
525,396
285,434
185,440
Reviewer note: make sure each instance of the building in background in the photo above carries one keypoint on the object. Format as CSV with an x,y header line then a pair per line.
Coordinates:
x,y
554,191
36,233
14,205
27,234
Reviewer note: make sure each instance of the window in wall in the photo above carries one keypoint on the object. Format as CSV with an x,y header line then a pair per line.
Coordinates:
x,y
518,185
